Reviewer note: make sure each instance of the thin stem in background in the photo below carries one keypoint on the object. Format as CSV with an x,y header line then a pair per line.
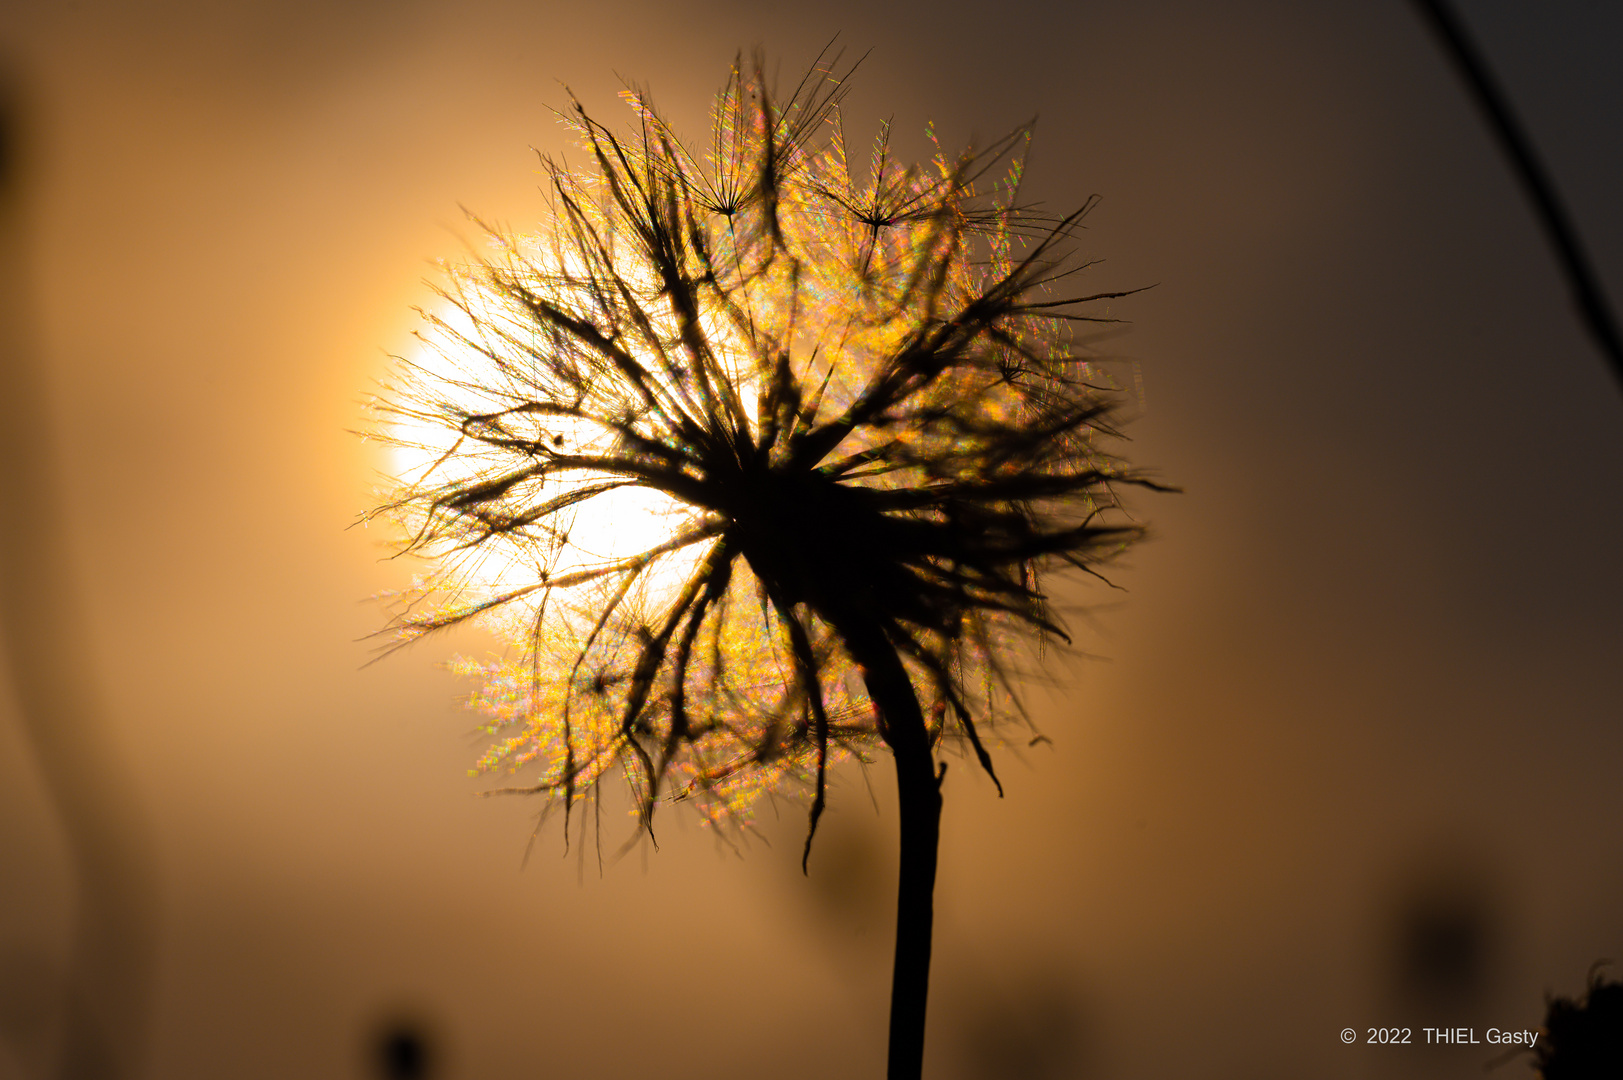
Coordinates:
x,y
1593,308
105,992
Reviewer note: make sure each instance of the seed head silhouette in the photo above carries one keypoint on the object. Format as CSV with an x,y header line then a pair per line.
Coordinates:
x,y
759,462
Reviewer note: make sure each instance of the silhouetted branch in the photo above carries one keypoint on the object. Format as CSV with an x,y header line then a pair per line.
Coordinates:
x,y
1587,294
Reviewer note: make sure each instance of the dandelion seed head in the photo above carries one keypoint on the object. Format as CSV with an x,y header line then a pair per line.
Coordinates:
x,y
728,406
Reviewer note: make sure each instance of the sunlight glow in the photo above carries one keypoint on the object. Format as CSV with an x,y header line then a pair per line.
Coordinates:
x,y
608,527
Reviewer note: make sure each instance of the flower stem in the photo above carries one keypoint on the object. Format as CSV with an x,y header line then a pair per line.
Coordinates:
x,y
918,793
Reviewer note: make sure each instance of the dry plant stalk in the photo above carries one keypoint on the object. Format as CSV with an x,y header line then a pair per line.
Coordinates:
x,y
849,405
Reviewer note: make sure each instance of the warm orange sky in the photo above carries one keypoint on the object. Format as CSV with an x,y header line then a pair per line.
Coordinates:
x,y
1366,670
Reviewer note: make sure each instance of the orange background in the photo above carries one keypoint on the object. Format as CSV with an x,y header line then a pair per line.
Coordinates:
x,y
1348,753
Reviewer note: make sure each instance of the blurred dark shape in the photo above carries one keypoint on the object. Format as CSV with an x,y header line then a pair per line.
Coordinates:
x,y
30,993
104,997
849,880
1583,1040
1443,945
403,1049
8,145
1034,1032
1444,939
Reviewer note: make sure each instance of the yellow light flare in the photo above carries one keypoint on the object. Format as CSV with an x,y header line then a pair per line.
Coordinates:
x,y
609,527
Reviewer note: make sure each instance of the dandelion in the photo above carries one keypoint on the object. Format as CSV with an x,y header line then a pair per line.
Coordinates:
x,y
758,458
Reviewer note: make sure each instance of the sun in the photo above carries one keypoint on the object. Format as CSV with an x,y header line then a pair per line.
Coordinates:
x,y
605,527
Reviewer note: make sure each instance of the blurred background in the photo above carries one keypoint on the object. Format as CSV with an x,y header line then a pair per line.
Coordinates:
x,y
1346,753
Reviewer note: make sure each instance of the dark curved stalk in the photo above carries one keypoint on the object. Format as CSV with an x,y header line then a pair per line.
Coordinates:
x,y
110,966
1587,294
918,794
